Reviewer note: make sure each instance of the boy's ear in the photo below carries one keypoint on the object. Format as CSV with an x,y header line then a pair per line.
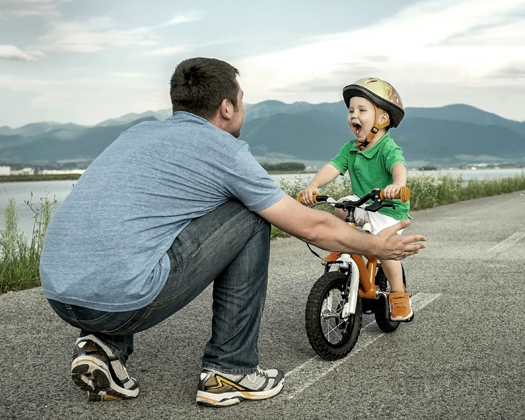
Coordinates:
x,y
384,117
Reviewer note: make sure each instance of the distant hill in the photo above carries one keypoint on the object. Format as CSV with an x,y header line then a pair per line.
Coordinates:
x,y
446,136
61,144
128,118
468,114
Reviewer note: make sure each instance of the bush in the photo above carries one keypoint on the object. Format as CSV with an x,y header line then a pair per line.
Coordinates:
x,y
427,191
20,256
284,167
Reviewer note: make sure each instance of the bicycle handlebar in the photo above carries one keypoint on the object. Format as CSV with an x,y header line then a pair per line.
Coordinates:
x,y
403,195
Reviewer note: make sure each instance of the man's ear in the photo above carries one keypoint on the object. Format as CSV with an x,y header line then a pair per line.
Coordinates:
x,y
224,109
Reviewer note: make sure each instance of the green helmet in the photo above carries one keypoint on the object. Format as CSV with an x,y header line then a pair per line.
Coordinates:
x,y
380,93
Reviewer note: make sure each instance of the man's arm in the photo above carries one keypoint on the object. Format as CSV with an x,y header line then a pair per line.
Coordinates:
x,y
326,231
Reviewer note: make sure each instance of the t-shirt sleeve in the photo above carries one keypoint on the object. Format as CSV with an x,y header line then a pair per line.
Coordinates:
x,y
249,182
395,155
340,162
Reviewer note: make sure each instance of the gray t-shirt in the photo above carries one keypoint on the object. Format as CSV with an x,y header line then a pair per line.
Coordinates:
x,y
105,247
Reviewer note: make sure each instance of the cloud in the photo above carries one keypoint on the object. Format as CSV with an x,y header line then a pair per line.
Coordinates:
x,y
94,34
513,71
24,8
10,52
107,97
75,37
99,33
442,44
182,18
168,51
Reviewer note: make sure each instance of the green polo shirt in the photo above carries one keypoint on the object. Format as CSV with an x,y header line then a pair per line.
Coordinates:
x,y
371,169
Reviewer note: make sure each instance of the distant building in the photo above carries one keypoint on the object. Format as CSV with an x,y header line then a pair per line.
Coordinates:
x,y
61,171
25,171
5,170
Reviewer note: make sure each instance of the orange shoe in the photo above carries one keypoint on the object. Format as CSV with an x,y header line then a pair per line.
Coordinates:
x,y
400,306
333,256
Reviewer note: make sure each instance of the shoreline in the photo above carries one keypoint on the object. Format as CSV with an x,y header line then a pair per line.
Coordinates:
x,y
74,177
32,178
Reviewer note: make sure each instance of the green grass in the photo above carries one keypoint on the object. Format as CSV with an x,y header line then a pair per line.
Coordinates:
x,y
20,256
428,192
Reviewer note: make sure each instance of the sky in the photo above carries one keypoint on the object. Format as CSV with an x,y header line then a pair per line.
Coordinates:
x,y
84,61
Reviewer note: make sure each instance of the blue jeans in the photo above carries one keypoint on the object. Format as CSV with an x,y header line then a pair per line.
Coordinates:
x,y
230,247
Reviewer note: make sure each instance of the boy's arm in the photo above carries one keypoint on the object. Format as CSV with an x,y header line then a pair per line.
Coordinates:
x,y
327,174
399,177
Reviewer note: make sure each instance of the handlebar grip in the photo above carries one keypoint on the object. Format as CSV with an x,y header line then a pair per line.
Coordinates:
x,y
317,198
404,194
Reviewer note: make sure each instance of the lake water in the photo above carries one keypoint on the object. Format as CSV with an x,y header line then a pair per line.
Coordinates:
x,y
21,191
467,174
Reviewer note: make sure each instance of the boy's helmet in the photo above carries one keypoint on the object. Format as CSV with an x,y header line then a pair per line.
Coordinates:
x,y
380,93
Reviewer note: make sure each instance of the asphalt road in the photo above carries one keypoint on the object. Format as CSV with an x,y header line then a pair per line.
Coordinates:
x,y
463,357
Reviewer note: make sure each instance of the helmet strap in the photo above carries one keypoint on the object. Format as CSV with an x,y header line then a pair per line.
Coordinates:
x,y
373,131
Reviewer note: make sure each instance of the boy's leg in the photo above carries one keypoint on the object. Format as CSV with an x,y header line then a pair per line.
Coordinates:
x,y
399,298
400,304
394,274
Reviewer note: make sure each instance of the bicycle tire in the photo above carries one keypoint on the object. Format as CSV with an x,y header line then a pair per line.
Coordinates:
x,y
330,336
382,313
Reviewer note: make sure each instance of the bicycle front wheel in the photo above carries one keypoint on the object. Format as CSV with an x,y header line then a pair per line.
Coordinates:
x,y
331,336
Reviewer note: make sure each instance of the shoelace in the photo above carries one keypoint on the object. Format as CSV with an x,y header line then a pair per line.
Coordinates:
x,y
398,301
259,372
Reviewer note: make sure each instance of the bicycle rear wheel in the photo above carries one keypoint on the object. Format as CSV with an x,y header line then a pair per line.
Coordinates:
x,y
331,336
382,312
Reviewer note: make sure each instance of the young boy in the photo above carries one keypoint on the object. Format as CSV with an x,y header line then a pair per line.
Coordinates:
x,y
372,160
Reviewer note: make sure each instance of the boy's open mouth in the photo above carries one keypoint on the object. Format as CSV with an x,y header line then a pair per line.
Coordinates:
x,y
357,128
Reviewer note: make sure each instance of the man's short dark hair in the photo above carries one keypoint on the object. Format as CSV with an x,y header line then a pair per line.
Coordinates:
x,y
199,85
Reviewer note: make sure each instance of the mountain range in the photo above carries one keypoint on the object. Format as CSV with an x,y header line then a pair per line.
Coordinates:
x,y
452,135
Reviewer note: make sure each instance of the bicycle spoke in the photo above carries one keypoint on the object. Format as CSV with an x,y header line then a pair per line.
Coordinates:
x,y
334,328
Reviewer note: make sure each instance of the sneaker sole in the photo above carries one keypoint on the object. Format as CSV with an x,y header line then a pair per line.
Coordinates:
x,y
90,375
407,319
231,398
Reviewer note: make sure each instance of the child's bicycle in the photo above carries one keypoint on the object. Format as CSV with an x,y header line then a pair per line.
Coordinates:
x,y
348,288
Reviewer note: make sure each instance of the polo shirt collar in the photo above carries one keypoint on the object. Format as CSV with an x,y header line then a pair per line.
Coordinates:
x,y
370,153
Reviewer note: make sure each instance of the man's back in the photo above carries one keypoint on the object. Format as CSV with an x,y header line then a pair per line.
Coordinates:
x,y
133,201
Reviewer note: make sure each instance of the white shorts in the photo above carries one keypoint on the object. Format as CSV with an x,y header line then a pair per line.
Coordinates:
x,y
377,220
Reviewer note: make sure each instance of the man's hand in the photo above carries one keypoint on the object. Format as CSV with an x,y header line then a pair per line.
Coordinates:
x,y
398,247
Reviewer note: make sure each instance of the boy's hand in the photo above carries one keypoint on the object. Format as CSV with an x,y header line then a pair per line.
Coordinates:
x,y
391,191
308,194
